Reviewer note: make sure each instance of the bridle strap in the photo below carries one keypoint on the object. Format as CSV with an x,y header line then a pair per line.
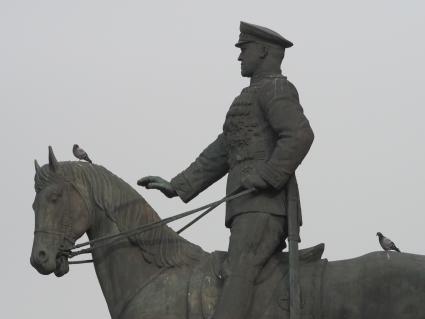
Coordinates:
x,y
49,232
55,233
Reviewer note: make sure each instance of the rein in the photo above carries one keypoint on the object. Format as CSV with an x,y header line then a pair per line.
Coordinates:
x,y
109,239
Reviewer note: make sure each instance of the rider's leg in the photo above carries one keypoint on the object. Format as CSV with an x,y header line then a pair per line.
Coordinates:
x,y
254,238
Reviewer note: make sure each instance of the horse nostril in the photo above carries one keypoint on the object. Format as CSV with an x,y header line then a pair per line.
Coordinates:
x,y
42,256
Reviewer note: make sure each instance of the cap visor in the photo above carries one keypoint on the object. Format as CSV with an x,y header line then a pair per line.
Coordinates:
x,y
241,43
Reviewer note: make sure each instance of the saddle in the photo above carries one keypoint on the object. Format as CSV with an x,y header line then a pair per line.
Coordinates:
x,y
271,295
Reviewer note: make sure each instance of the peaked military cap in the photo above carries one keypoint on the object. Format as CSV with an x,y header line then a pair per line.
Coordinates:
x,y
255,33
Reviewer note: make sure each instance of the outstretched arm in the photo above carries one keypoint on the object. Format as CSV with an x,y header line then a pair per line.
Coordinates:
x,y
209,167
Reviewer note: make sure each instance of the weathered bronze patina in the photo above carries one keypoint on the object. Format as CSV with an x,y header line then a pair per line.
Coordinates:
x,y
158,274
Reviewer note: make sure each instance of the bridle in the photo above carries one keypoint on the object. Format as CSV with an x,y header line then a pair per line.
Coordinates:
x,y
65,233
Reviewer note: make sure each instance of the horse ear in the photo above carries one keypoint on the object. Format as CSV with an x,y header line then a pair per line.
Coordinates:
x,y
37,167
53,162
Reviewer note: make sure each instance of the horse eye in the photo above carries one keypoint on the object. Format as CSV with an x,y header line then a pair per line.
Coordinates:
x,y
54,197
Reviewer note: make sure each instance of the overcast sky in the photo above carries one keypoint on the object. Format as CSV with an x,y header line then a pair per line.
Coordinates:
x,y
145,86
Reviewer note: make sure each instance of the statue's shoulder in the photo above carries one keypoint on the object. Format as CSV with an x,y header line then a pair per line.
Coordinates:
x,y
274,86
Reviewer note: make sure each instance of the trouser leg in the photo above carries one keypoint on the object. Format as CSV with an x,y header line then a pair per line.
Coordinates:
x,y
255,237
235,298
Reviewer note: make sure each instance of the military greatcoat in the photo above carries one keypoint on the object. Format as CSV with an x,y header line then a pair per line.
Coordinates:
x,y
266,133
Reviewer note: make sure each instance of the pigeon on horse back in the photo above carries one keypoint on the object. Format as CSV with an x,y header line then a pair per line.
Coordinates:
x,y
386,243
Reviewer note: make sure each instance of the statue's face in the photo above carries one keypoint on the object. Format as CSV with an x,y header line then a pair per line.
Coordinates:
x,y
251,57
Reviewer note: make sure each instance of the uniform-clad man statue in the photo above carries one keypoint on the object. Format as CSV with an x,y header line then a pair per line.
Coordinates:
x,y
265,137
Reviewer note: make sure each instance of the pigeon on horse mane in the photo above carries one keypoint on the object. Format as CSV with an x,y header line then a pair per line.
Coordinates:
x,y
80,153
386,243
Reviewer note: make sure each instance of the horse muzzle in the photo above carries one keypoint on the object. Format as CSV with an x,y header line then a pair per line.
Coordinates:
x,y
47,261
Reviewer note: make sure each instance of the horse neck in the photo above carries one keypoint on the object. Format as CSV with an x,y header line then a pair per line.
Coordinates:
x,y
119,267
124,267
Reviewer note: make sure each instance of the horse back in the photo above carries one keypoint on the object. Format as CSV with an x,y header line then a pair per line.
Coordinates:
x,y
377,285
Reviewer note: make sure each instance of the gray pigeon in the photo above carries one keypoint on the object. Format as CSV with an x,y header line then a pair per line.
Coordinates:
x,y
80,153
386,243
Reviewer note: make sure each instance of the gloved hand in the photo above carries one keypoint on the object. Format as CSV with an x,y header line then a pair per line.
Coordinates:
x,y
254,181
156,182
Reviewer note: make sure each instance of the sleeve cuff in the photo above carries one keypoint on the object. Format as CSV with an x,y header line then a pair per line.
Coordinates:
x,y
182,187
276,179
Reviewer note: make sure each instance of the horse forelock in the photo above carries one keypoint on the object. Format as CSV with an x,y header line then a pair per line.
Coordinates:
x,y
67,171
45,176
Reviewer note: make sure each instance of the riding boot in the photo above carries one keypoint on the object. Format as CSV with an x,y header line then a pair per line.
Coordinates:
x,y
235,299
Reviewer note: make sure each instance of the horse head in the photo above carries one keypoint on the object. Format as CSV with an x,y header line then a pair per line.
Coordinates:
x,y
61,217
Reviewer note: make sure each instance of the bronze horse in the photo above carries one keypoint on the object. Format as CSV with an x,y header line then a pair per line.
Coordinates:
x,y
159,275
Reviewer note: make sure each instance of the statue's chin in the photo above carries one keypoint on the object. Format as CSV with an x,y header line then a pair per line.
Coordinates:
x,y
62,266
245,74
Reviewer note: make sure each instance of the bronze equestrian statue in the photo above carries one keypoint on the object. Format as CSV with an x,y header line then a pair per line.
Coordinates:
x,y
265,137
156,274
159,275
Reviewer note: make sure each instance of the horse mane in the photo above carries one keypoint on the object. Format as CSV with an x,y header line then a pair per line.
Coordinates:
x,y
127,208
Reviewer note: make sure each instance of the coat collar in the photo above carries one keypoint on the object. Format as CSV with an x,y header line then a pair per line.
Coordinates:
x,y
259,77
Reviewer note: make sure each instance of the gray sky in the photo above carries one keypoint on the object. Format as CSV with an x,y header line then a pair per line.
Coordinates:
x,y
145,86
